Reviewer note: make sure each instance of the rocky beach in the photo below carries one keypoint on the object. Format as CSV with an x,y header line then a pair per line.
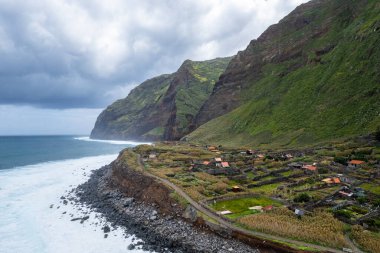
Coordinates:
x,y
160,228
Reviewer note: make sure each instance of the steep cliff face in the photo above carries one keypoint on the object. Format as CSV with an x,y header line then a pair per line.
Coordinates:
x,y
313,76
161,108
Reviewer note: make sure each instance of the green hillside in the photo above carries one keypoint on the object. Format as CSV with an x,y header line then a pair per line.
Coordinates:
x,y
322,83
162,107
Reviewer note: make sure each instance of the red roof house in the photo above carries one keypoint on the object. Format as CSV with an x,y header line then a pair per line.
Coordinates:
x,y
355,163
225,165
267,208
309,167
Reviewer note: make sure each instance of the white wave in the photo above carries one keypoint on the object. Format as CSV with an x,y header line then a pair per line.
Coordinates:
x,y
86,138
28,224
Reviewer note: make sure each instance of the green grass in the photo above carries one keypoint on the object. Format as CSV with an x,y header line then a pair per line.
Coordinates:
x,y
146,111
239,207
266,189
310,103
374,188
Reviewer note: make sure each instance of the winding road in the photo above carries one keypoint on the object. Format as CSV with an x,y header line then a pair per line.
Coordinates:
x,y
233,227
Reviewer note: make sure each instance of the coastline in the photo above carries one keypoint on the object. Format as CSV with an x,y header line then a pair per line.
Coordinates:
x,y
156,222
35,219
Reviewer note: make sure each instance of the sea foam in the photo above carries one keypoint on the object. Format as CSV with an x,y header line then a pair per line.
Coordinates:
x,y
134,143
32,218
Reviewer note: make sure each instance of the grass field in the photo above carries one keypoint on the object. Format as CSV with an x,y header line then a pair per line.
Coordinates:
x,y
374,188
320,227
239,207
267,189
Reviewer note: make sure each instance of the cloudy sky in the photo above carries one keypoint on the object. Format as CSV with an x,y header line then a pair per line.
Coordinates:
x,y
63,61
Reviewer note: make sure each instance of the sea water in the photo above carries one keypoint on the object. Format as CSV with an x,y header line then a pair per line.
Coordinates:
x,y
35,171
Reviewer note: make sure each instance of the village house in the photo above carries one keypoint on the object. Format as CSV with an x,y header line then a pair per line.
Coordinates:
x,y
309,168
152,156
354,164
345,179
225,164
268,208
236,188
346,192
260,156
331,180
288,156
256,208
299,212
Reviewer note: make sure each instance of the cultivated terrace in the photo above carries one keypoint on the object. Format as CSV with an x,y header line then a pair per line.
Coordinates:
x,y
323,195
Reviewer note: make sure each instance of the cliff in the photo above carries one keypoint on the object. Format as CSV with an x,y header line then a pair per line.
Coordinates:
x,y
161,108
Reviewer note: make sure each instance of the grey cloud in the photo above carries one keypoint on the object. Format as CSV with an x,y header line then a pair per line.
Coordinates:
x,y
74,54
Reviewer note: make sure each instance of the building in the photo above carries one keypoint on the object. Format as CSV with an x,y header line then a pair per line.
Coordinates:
x,y
225,164
288,156
236,188
311,168
256,208
331,180
267,208
354,164
299,212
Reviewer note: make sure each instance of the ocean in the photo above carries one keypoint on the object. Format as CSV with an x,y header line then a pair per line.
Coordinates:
x,y
35,171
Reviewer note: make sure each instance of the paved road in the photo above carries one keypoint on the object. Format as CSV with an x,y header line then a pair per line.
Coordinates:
x,y
233,227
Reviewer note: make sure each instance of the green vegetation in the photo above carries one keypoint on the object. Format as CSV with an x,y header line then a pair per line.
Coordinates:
x,y
274,178
303,197
162,106
239,207
320,228
298,101
371,187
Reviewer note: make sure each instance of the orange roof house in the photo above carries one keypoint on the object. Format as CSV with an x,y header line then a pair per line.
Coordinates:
x,y
356,162
330,180
206,162
225,165
309,167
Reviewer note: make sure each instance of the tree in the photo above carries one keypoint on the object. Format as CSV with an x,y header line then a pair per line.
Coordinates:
x,y
303,197
377,133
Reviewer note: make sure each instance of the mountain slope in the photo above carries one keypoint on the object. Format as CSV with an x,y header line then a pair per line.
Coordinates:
x,y
161,108
314,76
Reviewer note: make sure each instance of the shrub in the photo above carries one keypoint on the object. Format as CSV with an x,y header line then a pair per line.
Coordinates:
x,y
377,133
303,197
341,160
323,170
343,213
362,200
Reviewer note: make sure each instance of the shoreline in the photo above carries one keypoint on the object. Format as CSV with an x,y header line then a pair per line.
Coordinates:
x,y
159,231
